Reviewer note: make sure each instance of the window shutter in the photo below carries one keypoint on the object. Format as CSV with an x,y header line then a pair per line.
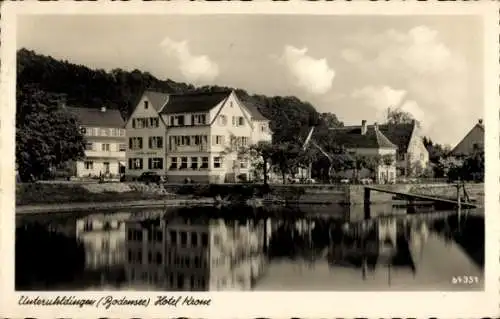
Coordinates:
x,y
129,163
150,163
140,163
150,142
159,143
133,123
140,142
130,143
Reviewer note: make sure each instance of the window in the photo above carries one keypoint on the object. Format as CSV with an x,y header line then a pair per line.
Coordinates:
x,y
122,147
104,132
159,258
179,120
180,281
146,105
218,140
204,239
155,163
173,237
204,162
173,163
184,162
150,257
83,130
194,162
194,239
234,120
217,162
197,263
135,143
183,239
106,167
156,142
243,163
122,132
105,147
222,120
241,121
198,119
135,163
87,226
154,122
89,146
263,128
89,165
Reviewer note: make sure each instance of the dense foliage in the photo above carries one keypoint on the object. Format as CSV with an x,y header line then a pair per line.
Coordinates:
x,y
46,135
120,89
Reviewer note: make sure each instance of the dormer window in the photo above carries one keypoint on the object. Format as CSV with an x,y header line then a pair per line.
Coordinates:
x,y
146,105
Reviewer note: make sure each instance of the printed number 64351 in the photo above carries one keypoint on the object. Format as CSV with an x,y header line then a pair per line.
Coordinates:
x,y
467,280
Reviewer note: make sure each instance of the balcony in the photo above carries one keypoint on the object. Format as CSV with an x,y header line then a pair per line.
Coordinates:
x,y
105,154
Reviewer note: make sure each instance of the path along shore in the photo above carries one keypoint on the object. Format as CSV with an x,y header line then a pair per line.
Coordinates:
x,y
97,206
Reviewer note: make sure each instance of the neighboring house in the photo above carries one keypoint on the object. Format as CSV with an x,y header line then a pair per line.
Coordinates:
x,y
412,155
368,141
193,135
472,142
103,237
104,132
199,255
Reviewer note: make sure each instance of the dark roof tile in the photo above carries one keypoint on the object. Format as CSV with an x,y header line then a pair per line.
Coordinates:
x,y
351,137
194,102
157,99
98,118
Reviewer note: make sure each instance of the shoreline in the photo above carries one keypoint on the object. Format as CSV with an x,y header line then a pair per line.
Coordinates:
x,y
71,207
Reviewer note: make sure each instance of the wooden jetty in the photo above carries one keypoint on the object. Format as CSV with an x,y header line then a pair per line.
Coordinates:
x,y
413,196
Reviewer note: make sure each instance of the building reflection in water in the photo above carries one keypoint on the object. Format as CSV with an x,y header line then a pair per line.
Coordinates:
x,y
194,254
214,249
103,237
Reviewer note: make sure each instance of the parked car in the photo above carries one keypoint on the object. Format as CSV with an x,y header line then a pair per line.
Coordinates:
x,y
151,177
309,181
366,181
344,181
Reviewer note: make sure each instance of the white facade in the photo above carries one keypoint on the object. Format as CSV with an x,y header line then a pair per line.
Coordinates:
x,y
104,152
202,256
200,145
383,173
146,142
103,238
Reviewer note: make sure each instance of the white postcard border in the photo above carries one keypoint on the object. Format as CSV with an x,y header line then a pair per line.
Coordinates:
x,y
263,304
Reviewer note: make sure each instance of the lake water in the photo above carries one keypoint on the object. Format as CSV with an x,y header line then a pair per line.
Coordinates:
x,y
243,248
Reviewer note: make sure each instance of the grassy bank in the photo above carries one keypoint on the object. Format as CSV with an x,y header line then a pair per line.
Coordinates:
x,y
31,194
46,193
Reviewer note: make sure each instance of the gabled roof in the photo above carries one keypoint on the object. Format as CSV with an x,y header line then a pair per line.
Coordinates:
x,y
398,134
352,138
459,148
98,118
157,99
254,111
194,102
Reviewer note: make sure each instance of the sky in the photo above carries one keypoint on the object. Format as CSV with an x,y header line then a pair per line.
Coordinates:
x,y
353,66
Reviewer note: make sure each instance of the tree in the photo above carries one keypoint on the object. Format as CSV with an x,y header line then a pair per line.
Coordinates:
x,y
398,116
285,157
263,152
46,134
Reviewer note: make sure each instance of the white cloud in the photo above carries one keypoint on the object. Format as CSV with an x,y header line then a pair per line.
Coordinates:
x,y
380,98
194,68
420,61
313,75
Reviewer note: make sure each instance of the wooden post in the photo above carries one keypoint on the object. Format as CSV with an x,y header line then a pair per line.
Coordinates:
x,y
459,202
366,204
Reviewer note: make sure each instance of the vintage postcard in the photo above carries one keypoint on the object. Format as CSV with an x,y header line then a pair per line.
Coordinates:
x,y
168,159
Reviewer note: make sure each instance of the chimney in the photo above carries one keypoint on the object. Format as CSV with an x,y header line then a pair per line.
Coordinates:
x,y
480,121
103,109
363,127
